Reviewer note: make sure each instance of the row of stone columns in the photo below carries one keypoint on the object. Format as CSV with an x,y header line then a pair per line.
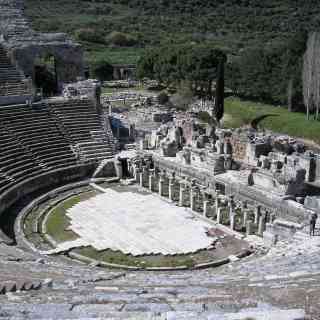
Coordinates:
x,y
220,201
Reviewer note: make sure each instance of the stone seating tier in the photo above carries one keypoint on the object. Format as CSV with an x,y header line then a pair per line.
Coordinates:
x,y
12,82
31,143
79,118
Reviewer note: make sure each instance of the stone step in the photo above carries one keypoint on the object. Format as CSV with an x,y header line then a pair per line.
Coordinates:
x,y
152,311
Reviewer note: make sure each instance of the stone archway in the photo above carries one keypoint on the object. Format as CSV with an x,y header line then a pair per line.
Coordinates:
x,y
45,74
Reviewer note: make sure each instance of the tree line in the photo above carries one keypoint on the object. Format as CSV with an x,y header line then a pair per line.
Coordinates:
x,y
285,73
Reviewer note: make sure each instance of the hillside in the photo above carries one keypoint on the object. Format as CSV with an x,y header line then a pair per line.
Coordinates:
x,y
231,24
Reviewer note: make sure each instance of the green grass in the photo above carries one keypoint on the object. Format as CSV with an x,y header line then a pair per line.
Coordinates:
x,y
239,112
58,221
118,257
112,55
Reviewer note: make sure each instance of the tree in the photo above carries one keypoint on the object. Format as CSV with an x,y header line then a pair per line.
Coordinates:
x,y
198,66
311,75
121,39
270,73
101,69
219,99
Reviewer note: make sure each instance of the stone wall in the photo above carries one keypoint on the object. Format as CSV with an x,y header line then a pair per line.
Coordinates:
x,y
24,45
7,100
68,60
239,146
26,190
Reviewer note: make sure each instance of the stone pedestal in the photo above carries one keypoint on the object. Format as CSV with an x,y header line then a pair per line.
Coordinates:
x,y
205,208
249,227
269,238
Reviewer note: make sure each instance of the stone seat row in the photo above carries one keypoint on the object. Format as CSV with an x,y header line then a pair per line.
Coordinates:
x,y
29,147
11,81
80,119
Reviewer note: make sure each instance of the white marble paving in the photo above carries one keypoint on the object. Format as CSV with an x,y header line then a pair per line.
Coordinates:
x,y
137,224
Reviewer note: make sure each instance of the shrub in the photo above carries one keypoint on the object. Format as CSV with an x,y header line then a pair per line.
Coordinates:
x,y
89,35
121,39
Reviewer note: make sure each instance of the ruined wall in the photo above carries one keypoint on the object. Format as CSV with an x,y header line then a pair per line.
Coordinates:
x,y
24,45
239,146
68,59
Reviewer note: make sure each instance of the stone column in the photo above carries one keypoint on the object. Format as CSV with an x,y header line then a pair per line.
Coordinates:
x,y
219,215
141,179
118,166
262,225
217,203
135,172
245,217
171,185
231,212
151,177
257,213
205,207
249,228
161,182
181,194
192,198
232,220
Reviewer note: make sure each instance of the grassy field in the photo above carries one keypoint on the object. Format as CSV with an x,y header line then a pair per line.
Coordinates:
x,y
118,257
58,222
112,55
239,112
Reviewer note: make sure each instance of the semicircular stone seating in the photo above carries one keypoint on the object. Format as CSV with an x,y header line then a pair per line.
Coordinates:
x,y
284,284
